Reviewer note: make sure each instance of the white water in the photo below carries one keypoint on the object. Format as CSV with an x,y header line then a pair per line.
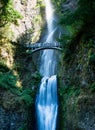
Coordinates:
x,y
46,102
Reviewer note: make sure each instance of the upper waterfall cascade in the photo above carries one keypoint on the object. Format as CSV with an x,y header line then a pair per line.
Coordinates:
x,y
46,101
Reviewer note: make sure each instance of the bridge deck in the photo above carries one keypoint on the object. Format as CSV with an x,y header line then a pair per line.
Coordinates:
x,y
41,46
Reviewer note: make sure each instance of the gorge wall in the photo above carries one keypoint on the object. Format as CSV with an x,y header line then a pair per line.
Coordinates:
x,y
77,73
31,12
19,76
18,70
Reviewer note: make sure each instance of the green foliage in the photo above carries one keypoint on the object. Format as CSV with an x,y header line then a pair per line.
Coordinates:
x,y
24,127
84,13
92,87
81,18
79,25
3,67
92,59
91,53
36,78
70,47
8,14
66,94
40,4
7,80
26,97
69,91
86,10
4,1
58,5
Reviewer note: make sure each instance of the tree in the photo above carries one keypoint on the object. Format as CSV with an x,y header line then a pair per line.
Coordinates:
x,y
7,13
82,18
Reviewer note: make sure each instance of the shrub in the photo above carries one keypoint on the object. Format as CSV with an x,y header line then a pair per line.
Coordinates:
x,y
92,87
26,97
3,67
7,80
7,13
92,59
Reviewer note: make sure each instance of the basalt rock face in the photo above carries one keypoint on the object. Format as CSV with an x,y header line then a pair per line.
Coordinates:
x,y
77,100
29,27
12,116
79,113
11,119
77,75
86,106
17,99
19,68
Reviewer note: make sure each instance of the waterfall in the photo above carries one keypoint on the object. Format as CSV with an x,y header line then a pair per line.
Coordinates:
x,y
46,101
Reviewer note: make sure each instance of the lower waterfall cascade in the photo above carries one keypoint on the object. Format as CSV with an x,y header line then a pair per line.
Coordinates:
x,y
47,104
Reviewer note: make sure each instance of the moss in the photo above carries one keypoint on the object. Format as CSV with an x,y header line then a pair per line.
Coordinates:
x,y
8,14
19,77
3,67
8,83
24,127
92,87
92,59
7,80
7,53
67,102
71,99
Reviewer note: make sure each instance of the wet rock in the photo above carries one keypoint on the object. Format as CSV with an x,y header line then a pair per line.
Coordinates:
x,y
29,27
12,119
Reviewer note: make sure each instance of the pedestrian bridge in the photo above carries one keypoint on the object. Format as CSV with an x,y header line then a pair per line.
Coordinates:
x,y
41,46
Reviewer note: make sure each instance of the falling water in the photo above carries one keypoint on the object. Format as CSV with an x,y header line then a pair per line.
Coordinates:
x,y
46,102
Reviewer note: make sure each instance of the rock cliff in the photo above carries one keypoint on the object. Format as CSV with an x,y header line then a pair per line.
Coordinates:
x,y
29,27
19,77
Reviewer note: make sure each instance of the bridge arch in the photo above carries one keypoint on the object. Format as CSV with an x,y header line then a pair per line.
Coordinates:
x,y
43,48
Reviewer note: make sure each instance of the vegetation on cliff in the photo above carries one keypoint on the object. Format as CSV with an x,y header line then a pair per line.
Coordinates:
x,y
19,77
8,13
77,75
18,73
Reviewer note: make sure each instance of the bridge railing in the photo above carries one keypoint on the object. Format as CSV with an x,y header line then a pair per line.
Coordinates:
x,y
42,45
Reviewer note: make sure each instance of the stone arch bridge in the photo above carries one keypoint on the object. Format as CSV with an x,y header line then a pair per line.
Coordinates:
x,y
41,46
